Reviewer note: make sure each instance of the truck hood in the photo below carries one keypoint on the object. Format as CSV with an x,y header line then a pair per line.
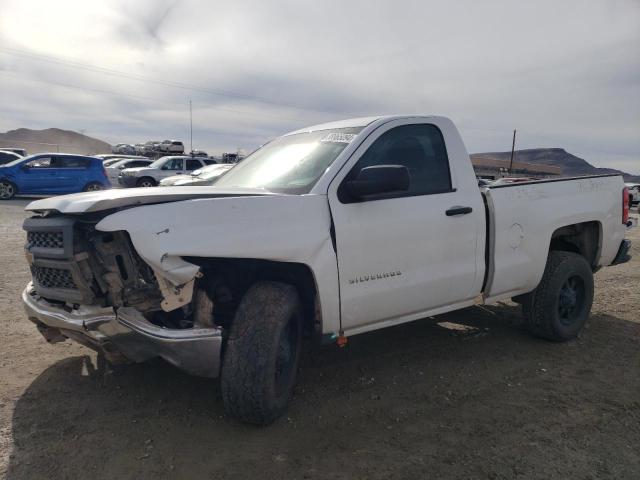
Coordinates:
x,y
119,198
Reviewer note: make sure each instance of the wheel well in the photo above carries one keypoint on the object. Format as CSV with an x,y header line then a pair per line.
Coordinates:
x,y
582,238
227,280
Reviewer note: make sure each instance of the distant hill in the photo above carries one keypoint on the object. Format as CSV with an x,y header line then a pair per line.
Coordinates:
x,y
53,140
570,164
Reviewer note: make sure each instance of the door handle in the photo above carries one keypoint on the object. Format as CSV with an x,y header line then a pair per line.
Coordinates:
x,y
458,210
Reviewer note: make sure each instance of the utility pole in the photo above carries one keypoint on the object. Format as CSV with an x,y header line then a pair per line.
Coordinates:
x,y
191,123
513,146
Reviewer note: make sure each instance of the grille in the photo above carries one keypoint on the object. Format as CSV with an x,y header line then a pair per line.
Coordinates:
x,y
45,239
53,277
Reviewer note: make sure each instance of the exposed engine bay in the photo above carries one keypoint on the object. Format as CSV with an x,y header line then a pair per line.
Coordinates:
x,y
74,264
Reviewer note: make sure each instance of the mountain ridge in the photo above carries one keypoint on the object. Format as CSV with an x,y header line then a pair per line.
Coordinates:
x,y
571,165
53,140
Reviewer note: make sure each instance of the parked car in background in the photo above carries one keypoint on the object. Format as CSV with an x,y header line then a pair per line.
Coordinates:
x,y
52,173
232,157
7,156
198,153
139,148
150,147
172,146
124,148
113,169
634,192
205,176
20,151
163,167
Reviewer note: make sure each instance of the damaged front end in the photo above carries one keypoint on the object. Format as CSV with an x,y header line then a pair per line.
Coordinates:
x,y
93,287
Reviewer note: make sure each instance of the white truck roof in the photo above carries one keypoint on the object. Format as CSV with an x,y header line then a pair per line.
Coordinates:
x,y
352,122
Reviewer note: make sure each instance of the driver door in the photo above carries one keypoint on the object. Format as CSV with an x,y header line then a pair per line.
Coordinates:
x,y
402,255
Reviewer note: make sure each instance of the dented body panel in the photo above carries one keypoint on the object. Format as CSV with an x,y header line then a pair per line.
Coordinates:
x,y
282,228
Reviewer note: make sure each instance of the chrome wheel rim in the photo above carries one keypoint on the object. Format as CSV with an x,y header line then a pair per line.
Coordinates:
x,y
93,187
6,190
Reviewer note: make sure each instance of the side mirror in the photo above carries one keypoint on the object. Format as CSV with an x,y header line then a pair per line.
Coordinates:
x,y
379,179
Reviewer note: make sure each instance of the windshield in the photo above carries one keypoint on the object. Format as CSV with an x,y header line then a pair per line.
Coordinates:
x,y
290,164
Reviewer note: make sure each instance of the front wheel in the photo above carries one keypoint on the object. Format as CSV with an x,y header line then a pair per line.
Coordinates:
x,y
558,308
262,351
7,190
146,182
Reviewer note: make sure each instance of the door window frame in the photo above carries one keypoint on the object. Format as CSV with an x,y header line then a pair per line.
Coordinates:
x,y
345,198
343,174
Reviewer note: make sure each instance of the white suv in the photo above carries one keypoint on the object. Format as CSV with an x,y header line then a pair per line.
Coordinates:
x,y
163,167
172,146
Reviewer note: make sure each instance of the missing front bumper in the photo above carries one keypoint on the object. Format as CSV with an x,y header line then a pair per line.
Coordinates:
x,y
196,351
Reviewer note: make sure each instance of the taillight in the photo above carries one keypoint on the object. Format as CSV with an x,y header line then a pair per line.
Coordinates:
x,y
625,205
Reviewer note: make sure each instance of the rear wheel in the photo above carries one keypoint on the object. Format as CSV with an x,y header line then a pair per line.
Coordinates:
x,y
146,182
7,190
93,187
558,308
262,351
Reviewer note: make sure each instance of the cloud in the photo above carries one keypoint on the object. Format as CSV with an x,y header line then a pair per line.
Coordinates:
x,y
565,74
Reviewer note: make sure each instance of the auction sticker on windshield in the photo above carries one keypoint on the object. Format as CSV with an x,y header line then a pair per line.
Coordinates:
x,y
338,137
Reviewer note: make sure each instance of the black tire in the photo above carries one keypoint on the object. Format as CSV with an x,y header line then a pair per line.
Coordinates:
x,y
8,190
558,308
93,187
262,351
146,182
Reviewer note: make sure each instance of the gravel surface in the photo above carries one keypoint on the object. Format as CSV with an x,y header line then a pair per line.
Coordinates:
x,y
464,395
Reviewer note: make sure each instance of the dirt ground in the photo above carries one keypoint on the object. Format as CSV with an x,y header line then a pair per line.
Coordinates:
x,y
465,395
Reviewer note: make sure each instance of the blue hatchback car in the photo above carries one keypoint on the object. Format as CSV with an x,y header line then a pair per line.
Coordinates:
x,y
51,174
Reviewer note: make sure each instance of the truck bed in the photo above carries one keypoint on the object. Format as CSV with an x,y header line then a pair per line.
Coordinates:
x,y
522,218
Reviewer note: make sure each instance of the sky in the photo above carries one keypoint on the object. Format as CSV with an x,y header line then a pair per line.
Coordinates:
x,y
563,73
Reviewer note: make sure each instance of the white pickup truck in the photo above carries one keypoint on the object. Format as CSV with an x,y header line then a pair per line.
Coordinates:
x,y
329,231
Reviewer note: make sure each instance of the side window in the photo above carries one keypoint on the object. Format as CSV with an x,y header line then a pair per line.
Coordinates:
x,y
420,148
40,162
137,163
173,164
69,162
193,164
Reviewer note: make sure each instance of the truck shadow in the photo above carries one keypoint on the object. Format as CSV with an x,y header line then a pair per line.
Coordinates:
x,y
439,395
